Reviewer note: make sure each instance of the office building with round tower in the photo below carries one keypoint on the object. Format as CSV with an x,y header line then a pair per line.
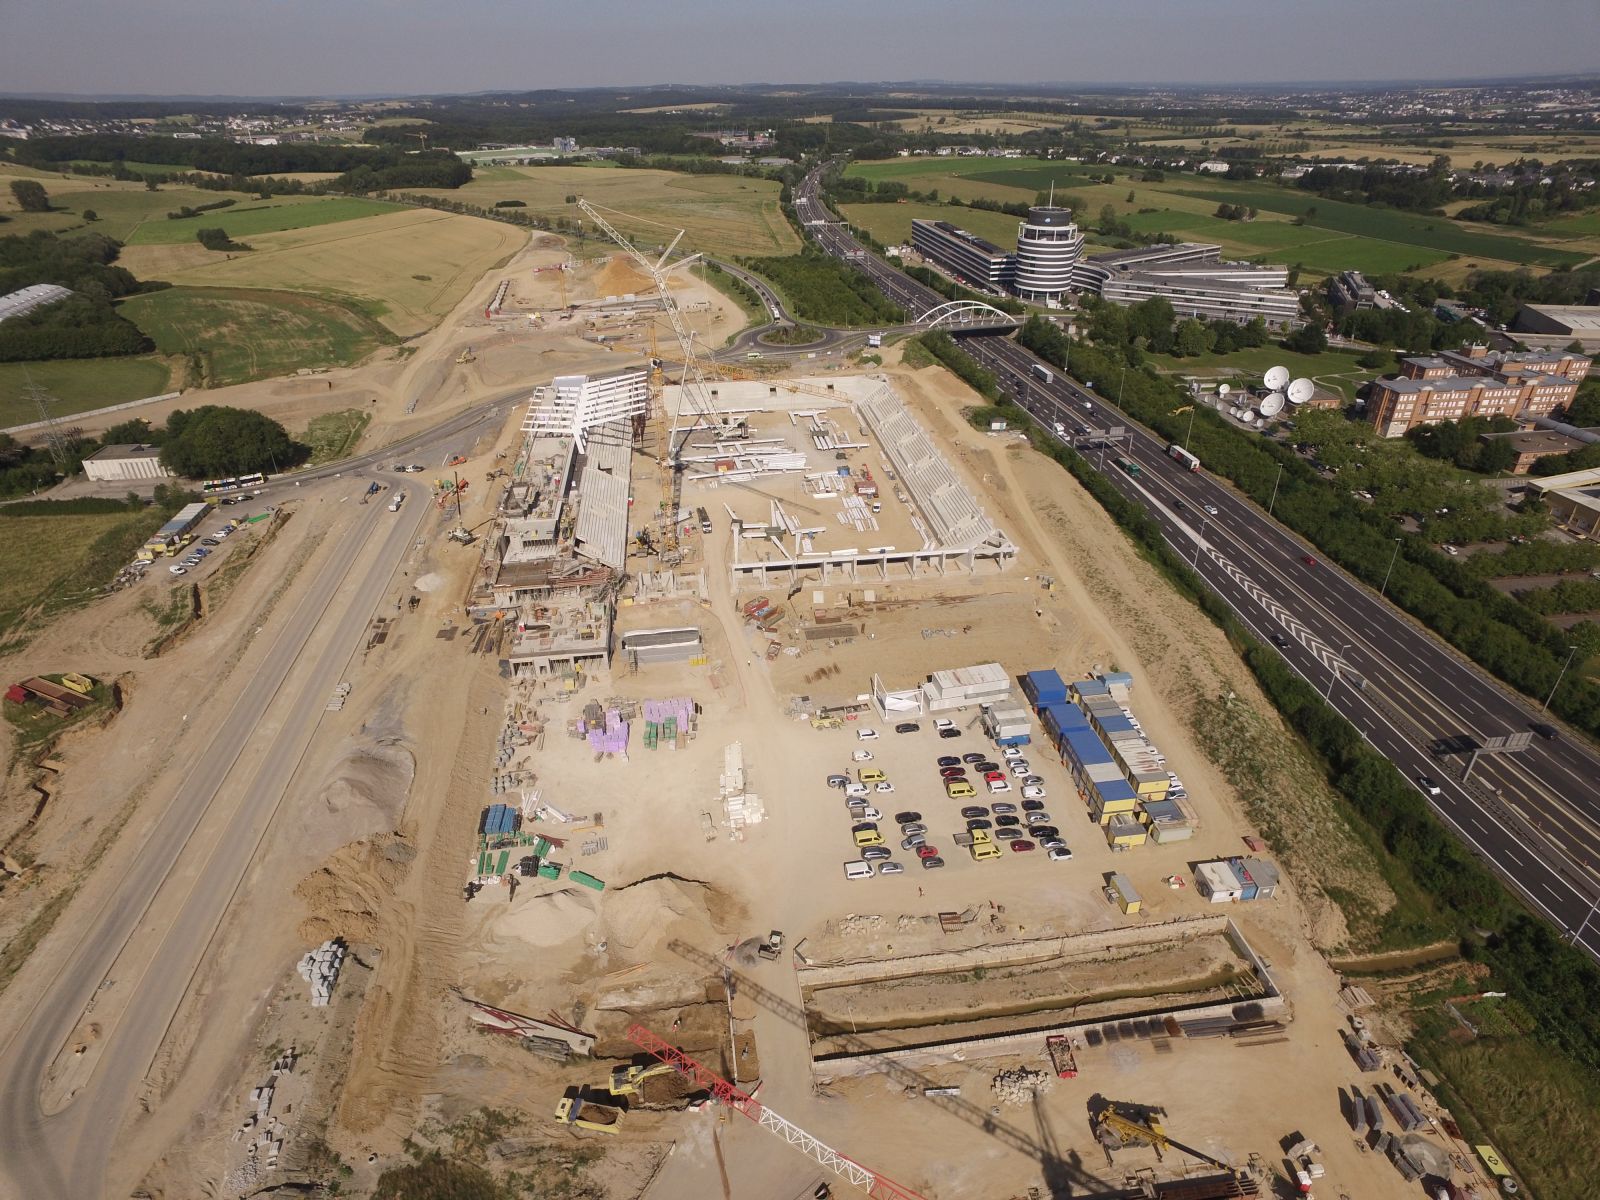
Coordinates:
x,y
1048,247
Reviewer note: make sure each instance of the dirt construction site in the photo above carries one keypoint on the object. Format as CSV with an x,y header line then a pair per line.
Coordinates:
x,y
487,892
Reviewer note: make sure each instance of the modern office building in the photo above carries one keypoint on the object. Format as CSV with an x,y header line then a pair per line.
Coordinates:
x,y
1350,289
1048,248
1474,382
965,255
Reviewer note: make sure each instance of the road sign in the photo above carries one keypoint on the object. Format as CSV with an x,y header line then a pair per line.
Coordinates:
x,y
1507,742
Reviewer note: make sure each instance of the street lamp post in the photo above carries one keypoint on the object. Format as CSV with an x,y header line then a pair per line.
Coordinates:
x,y
1392,557
1120,381
1197,542
1193,408
1271,503
1571,650
1327,693
1589,916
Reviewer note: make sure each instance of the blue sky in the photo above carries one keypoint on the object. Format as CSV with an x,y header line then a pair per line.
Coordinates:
x,y
273,47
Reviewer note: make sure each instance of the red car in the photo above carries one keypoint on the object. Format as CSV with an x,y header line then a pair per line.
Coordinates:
x,y
1018,846
1308,560
993,776
953,772
927,852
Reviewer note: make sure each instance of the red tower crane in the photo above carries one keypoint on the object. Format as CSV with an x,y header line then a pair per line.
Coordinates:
x,y
865,1178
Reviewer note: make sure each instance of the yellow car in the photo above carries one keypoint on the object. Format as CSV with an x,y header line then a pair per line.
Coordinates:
x,y
959,789
867,835
872,775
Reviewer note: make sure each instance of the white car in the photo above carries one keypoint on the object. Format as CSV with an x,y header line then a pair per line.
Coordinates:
x,y
885,787
1012,752
996,786
866,735
1020,768
856,791
869,814
861,756
179,570
1060,854
1033,791
944,723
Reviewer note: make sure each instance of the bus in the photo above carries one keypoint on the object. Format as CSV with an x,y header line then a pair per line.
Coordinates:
x,y
1178,454
212,486
1132,468
1040,373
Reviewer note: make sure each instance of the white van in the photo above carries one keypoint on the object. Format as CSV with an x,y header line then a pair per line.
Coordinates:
x,y
856,868
399,499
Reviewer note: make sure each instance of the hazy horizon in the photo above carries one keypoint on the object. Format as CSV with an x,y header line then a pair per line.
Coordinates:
x,y
285,48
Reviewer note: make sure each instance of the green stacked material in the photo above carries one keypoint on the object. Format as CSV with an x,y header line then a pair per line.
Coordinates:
x,y
483,862
541,847
587,880
505,857
549,870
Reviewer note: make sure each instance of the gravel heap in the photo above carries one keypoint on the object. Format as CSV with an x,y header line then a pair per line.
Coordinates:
x,y
1021,1085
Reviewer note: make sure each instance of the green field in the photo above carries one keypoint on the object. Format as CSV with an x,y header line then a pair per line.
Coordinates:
x,y
257,217
121,207
244,334
891,223
55,563
1335,370
79,385
1578,226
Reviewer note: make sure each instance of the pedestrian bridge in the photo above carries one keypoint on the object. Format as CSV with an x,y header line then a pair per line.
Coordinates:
x,y
967,314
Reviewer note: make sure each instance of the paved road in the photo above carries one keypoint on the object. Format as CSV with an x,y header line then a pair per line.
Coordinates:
x,y
241,776
1533,816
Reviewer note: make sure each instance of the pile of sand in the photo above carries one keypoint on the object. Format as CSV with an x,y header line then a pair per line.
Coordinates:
x,y
643,917
365,794
431,582
552,919
344,896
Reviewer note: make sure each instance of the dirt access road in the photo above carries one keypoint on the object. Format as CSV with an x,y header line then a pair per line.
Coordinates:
x,y
60,1111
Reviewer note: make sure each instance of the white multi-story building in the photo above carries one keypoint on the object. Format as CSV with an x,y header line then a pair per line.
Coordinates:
x,y
1048,247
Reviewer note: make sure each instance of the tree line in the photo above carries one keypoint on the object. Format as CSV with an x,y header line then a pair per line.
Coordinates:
x,y
824,291
85,324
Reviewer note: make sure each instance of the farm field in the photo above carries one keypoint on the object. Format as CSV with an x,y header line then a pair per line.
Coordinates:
x,y
261,216
79,384
244,335
723,214
891,223
406,269
121,207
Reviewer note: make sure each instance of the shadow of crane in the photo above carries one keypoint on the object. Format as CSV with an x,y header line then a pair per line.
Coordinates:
x,y
1065,1177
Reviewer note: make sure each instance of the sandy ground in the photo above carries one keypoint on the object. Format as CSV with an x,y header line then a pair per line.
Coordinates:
x,y
381,840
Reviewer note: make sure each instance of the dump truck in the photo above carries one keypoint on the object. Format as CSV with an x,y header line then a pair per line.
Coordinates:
x,y
587,1113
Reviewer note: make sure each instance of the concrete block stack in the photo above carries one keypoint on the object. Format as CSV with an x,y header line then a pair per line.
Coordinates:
x,y
320,968
1021,1085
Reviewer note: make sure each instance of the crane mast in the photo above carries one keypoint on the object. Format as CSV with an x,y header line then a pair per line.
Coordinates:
x,y
868,1180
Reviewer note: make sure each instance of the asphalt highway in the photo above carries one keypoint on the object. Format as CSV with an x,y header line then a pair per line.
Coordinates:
x,y
1532,815
56,1142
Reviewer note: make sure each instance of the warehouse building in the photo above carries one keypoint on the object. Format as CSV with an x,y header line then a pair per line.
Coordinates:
x,y
125,464
25,300
1565,323
965,255
1574,499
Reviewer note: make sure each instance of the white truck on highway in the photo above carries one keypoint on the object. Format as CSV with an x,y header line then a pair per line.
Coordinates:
x,y
399,499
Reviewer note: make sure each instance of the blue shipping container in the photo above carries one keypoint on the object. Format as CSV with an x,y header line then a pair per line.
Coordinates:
x,y
1043,688
1090,687
1083,749
1116,789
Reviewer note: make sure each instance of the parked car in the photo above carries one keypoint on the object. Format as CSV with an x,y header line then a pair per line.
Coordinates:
x,y
179,570
1031,805
952,772
1038,818
908,817
932,864
991,776
1007,835
1033,791
1032,781
974,810
1044,831
1013,752
907,727
1023,844
868,813
996,786
1007,819
861,756
972,756
866,835
959,789
855,868
1003,807
1020,769
206,541
986,765
883,787
927,852
838,781
979,823
871,775
949,760
1060,854
856,791
891,868
943,723
952,732
866,735
875,853
912,827
913,840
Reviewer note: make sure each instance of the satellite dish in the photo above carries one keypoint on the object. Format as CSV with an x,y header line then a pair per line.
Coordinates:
x,y
1223,390
1275,379
1301,390
1272,404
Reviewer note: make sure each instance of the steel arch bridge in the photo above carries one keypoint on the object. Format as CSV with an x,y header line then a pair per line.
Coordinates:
x,y
965,312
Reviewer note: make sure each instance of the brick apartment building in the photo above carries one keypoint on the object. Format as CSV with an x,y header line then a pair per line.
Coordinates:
x,y
1474,382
